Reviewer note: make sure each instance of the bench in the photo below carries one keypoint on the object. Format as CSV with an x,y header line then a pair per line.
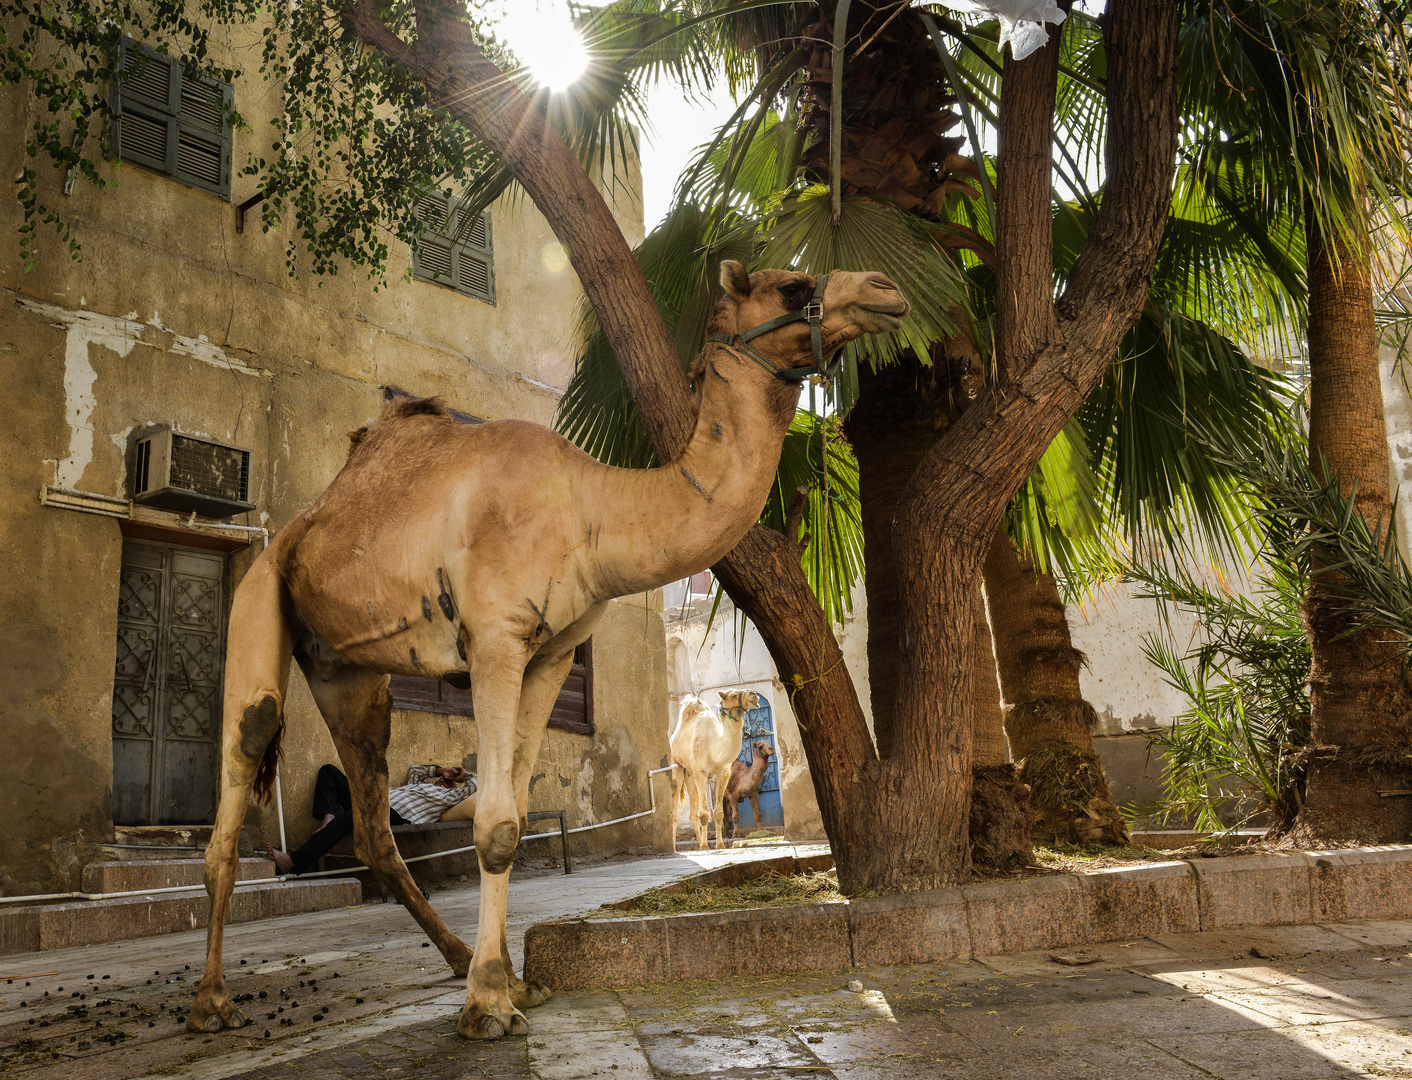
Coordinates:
x,y
418,843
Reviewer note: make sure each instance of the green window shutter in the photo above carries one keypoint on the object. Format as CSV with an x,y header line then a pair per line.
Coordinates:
x,y
172,122
455,250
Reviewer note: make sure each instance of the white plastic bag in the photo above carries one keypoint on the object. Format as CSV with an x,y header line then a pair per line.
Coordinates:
x,y
1021,21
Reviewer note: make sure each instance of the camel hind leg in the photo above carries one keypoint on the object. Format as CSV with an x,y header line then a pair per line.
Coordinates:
x,y
700,807
718,807
357,708
259,644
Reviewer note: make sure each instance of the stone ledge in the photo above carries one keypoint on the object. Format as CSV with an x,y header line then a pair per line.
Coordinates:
x,y
1254,890
1136,901
986,919
89,922
1360,883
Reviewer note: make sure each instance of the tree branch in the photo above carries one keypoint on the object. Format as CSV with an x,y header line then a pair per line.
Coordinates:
x,y
371,30
483,98
1024,216
795,515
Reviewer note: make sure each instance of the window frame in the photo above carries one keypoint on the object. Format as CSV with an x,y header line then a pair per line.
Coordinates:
x,y
420,693
127,99
458,243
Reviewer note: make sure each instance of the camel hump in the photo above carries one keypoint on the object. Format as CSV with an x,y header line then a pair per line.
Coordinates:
x,y
400,408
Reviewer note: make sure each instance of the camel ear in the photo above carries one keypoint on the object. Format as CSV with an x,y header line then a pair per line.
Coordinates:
x,y
735,279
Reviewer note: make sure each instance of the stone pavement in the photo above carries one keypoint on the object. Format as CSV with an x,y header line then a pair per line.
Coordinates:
x,y
1298,1003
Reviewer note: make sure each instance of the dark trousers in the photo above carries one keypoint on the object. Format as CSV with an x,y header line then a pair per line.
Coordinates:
x,y
331,796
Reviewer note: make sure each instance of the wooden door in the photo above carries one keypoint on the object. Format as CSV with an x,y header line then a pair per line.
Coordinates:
x,y
759,725
167,685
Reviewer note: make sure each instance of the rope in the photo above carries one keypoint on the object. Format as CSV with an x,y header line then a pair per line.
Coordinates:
x,y
799,682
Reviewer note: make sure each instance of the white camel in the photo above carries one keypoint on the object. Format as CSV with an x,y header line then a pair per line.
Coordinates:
x,y
704,745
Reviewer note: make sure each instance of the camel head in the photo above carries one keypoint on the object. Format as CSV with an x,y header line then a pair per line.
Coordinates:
x,y
738,702
763,749
854,303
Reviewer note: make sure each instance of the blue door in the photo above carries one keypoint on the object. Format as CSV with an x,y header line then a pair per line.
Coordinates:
x,y
759,725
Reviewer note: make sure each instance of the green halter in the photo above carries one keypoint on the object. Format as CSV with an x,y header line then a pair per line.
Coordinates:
x,y
811,313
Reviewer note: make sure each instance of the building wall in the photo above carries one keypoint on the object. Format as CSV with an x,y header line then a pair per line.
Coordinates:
x,y
172,317
707,655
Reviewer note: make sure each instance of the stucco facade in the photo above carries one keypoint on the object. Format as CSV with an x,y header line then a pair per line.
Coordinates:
x,y
174,318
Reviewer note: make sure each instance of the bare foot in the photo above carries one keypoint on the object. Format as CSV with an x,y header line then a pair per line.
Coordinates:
x,y
283,863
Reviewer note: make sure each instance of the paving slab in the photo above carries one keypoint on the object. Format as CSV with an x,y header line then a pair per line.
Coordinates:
x,y
1327,1003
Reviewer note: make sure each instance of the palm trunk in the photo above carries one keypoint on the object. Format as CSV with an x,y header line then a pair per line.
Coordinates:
x,y
900,414
1359,700
1049,723
1001,818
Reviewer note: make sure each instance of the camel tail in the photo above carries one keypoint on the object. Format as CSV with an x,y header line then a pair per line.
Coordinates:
x,y
269,766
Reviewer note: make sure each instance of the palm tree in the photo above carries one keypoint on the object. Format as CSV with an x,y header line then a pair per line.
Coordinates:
x,y
916,795
1313,107
902,409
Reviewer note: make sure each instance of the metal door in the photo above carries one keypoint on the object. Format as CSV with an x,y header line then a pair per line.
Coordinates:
x,y
167,685
759,724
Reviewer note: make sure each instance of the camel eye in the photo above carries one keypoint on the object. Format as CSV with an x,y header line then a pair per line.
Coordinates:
x,y
795,293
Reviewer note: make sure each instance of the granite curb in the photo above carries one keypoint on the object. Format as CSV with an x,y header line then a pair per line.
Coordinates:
x,y
1058,911
85,922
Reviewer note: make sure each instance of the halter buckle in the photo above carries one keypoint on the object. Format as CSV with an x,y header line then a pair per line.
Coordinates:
x,y
813,311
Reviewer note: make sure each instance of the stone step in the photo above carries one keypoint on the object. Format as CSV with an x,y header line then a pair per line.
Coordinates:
x,y
145,843
90,922
129,874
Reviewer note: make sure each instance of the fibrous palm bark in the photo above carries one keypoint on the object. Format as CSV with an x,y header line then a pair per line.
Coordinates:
x,y
1048,721
1360,699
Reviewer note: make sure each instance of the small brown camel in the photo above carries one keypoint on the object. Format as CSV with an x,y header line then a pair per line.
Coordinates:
x,y
484,555
745,783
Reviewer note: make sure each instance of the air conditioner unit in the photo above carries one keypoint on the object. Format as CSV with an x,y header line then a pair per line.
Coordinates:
x,y
182,472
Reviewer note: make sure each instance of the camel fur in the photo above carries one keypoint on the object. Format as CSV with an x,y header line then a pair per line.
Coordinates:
x,y
703,747
744,783
484,555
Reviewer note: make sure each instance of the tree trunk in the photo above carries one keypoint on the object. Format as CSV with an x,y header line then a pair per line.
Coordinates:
x,y
899,825
1359,700
988,719
1001,818
900,413
1049,724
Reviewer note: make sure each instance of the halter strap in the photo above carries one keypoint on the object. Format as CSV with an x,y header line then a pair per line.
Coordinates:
x,y
811,313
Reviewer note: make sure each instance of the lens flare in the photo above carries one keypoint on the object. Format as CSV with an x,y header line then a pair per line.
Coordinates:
x,y
542,36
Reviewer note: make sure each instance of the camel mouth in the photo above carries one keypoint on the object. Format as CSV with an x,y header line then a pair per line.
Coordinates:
x,y
884,319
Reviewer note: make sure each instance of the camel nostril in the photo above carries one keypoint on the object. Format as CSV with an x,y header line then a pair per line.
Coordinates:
x,y
878,281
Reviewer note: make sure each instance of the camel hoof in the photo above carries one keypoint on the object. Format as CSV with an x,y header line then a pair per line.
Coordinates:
x,y
477,1022
529,995
224,1015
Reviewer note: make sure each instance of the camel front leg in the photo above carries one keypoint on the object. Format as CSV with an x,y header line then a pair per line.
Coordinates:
x,y
496,676
257,672
357,708
755,809
544,678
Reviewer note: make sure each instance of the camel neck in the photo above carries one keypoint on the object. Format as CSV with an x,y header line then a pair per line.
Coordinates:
x,y
682,517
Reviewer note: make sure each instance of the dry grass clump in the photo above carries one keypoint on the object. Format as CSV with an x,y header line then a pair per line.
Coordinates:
x,y
1081,857
771,890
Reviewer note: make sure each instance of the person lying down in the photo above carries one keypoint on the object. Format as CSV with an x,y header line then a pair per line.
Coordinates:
x,y
431,793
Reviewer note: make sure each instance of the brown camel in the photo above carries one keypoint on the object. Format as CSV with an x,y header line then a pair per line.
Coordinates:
x,y
484,555
745,783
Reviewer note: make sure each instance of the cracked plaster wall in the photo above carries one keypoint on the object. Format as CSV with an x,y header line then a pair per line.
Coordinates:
x,y
172,317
